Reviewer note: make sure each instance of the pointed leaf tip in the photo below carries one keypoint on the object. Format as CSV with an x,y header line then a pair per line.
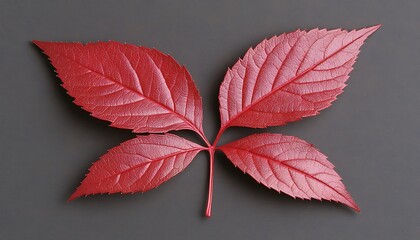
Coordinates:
x,y
39,44
73,196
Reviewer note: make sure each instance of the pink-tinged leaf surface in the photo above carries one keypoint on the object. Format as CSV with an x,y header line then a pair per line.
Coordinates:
x,y
132,87
288,77
289,165
138,165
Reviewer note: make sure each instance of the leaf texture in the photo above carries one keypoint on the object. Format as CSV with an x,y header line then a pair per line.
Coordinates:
x,y
281,80
288,77
138,165
289,165
132,87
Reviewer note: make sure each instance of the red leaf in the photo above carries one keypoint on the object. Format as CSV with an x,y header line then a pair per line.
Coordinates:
x,y
132,87
290,165
288,77
281,80
138,165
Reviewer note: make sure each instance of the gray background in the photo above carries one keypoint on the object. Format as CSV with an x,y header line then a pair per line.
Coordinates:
x,y
47,143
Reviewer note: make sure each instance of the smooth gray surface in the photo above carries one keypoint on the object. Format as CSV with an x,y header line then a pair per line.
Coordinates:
x,y
47,143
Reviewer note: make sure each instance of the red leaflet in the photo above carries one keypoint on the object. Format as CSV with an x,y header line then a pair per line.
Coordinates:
x,y
138,165
288,77
283,79
132,87
290,165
